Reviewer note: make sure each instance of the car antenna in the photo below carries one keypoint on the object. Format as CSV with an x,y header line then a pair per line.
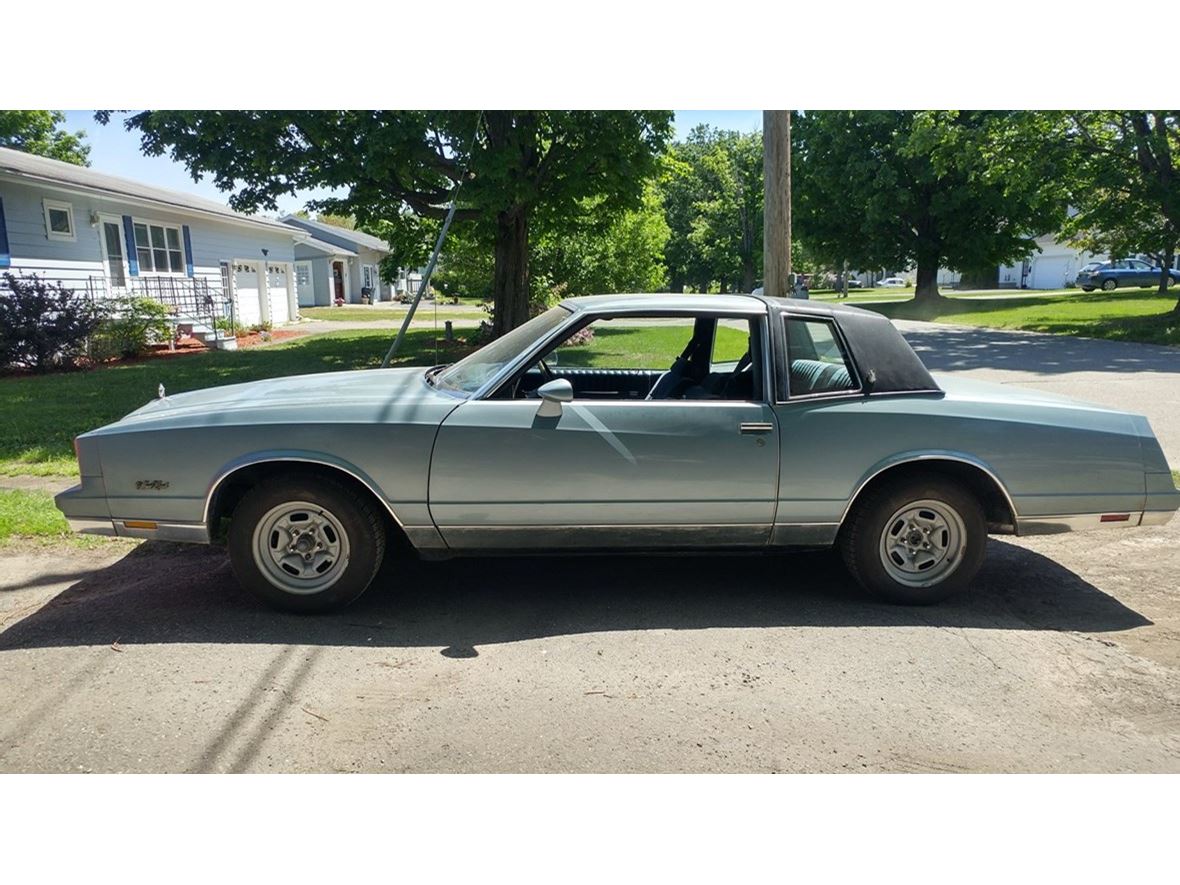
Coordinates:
x,y
442,235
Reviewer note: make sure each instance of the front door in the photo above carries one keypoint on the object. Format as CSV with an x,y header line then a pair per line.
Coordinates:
x,y
615,469
113,257
338,279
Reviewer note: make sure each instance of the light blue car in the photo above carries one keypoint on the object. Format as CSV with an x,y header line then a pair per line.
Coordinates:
x,y
642,422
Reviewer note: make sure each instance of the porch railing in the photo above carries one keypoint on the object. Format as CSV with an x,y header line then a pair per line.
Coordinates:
x,y
190,300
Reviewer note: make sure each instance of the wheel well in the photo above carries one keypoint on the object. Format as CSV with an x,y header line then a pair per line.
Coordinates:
x,y
232,489
986,489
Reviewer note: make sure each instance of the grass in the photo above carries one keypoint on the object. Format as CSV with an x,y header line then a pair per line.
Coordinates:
x,y
41,415
29,513
1137,315
425,313
633,347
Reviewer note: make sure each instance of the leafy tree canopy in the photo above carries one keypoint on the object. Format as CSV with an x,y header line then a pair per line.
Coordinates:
x,y
957,189
522,172
39,132
1125,181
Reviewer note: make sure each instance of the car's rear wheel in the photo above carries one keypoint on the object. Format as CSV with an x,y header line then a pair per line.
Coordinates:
x,y
1109,285
915,541
305,543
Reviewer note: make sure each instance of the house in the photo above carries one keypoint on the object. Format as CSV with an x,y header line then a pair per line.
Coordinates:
x,y
1052,267
111,236
337,263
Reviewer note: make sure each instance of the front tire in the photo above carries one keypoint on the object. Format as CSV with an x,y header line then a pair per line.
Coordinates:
x,y
305,543
1109,285
915,541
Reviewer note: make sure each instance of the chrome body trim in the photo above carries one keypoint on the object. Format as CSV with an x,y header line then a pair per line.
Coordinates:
x,y
932,456
580,537
255,460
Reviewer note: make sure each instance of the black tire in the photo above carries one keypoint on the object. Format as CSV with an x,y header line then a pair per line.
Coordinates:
x,y
1109,285
1087,288
862,539
349,519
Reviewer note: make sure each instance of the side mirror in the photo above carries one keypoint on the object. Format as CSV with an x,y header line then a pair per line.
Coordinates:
x,y
553,394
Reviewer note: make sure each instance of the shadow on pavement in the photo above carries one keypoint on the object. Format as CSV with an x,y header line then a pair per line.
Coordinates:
x,y
169,594
956,348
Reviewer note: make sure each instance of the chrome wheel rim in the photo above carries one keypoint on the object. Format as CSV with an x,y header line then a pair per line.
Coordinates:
x,y
301,547
922,543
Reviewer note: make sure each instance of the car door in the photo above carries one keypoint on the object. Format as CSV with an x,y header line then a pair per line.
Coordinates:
x,y
1143,274
621,472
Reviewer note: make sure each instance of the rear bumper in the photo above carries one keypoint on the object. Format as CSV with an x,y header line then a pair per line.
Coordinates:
x,y
1077,522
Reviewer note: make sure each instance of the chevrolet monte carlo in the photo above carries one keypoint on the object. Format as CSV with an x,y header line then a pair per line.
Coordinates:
x,y
641,422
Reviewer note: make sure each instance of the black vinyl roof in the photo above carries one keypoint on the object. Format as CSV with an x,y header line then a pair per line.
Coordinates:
x,y
874,342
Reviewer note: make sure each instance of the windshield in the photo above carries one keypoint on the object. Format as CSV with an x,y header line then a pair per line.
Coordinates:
x,y
472,372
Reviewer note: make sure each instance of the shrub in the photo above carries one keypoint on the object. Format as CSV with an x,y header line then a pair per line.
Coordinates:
x,y
130,327
43,324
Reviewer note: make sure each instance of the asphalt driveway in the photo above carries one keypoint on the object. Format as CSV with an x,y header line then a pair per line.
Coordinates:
x,y
1141,378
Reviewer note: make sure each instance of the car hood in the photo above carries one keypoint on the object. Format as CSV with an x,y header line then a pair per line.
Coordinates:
x,y
364,389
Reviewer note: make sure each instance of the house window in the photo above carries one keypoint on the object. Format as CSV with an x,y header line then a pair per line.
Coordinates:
x,y
367,274
158,248
59,221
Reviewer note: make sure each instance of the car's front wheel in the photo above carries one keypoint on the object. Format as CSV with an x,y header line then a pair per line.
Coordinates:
x,y
1109,285
1087,288
305,543
915,541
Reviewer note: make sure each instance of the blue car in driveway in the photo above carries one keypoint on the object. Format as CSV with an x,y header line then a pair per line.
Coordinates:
x,y
1121,274
637,422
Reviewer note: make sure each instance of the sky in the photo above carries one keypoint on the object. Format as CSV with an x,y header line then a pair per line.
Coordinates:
x,y
115,151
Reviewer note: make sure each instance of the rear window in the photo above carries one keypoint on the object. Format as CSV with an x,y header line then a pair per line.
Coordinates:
x,y
818,363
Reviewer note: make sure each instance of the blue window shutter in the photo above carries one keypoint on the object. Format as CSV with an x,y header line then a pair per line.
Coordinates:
x,y
188,251
5,255
132,255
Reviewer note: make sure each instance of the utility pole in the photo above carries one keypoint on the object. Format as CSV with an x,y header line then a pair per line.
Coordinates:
x,y
776,212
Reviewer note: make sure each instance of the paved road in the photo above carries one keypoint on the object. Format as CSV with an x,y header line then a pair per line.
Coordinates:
x,y
1141,378
1064,657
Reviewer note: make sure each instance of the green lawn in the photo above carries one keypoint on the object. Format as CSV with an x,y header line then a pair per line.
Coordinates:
x,y
646,347
1134,315
29,513
41,415
425,313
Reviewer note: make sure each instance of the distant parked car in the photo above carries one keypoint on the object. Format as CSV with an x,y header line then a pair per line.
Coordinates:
x,y
893,283
1129,272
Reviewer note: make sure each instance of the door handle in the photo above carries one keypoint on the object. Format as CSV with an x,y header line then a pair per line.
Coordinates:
x,y
756,427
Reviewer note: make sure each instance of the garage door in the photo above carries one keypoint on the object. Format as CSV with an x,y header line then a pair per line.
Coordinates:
x,y
276,289
249,305
1050,273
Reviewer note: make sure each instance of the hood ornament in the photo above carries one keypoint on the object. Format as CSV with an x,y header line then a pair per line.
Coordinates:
x,y
160,391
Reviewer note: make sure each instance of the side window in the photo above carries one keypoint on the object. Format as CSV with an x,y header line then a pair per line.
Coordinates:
x,y
818,363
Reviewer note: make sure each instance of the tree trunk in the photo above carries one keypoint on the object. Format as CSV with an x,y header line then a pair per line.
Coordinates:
x,y
926,291
510,280
749,274
1165,266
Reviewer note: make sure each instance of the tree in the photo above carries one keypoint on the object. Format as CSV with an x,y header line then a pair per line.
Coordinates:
x,y
37,132
599,256
711,186
957,189
523,173
1125,185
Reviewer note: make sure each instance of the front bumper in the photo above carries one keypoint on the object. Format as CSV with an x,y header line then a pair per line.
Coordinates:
x,y
87,513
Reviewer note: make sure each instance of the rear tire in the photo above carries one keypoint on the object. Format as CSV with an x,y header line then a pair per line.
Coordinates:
x,y
915,541
305,543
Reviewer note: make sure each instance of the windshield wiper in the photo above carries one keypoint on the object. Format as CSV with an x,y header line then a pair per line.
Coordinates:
x,y
432,371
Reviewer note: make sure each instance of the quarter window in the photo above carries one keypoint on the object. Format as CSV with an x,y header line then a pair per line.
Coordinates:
x,y
157,246
818,363
59,220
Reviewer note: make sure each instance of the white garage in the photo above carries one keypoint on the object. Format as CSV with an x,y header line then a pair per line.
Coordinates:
x,y
1052,271
247,293
278,293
